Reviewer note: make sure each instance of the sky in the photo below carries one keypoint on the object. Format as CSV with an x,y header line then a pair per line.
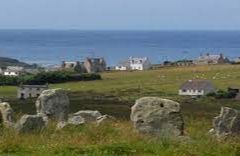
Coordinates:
x,y
120,14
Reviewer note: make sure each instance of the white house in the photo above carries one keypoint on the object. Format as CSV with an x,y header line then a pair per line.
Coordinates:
x,y
13,71
30,91
139,63
70,64
123,66
196,88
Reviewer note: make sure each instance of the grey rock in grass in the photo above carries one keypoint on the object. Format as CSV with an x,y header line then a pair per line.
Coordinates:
x,y
157,116
72,121
6,114
88,115
84,117
54,103
105,118
30,123
227,123
76,120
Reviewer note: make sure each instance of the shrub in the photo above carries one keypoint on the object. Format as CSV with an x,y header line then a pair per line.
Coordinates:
x,y
221,94
47,77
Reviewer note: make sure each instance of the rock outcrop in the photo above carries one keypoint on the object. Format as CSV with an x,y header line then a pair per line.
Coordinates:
x,y
30,123
6,114
227,123
54,103
156,116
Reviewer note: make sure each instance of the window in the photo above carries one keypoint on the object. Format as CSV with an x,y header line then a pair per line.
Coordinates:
x,y
184,90
22,96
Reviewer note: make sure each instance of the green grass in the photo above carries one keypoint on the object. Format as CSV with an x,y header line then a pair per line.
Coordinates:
x,y
116,139
115,95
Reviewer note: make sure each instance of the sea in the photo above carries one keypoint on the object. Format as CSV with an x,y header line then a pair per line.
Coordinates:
x,y
50,47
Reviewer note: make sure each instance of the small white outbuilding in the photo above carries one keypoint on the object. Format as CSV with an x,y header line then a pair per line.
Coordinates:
x,y
197,88
30,91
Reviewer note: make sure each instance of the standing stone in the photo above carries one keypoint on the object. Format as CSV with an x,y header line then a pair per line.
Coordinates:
x,y
156,116
30,123
6,114
54,103
227,123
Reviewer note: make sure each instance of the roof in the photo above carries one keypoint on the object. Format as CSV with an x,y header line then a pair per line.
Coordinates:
x,y
124,63
197,85
138,60
96,60
210,57
14,68
34,86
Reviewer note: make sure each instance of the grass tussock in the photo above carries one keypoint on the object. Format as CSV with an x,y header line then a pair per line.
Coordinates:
x,y
118,138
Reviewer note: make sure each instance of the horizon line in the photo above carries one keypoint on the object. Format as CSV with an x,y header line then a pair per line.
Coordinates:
x,y
75,29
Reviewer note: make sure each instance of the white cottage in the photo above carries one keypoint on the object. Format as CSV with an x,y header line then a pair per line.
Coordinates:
x,y
30,91
123,66
196,88
13,71
139,63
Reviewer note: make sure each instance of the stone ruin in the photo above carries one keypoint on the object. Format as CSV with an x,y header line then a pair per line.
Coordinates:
x,y
150,115
52,104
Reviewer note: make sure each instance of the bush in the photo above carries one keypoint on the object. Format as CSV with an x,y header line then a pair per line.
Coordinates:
x,y
221,94
47,77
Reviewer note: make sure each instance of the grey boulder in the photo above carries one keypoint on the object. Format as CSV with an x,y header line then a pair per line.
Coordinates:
x,y
105,118
6,114
76,120
157,116
227,123
88,115
54,103
30,123
72,121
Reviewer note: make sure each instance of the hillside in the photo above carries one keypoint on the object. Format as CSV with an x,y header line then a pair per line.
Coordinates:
x,y
115,95
4,62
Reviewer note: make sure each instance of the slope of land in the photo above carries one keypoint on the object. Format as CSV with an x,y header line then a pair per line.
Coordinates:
x,y
4,62
115,95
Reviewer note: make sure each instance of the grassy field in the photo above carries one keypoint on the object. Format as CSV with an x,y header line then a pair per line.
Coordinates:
x,y
115,95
